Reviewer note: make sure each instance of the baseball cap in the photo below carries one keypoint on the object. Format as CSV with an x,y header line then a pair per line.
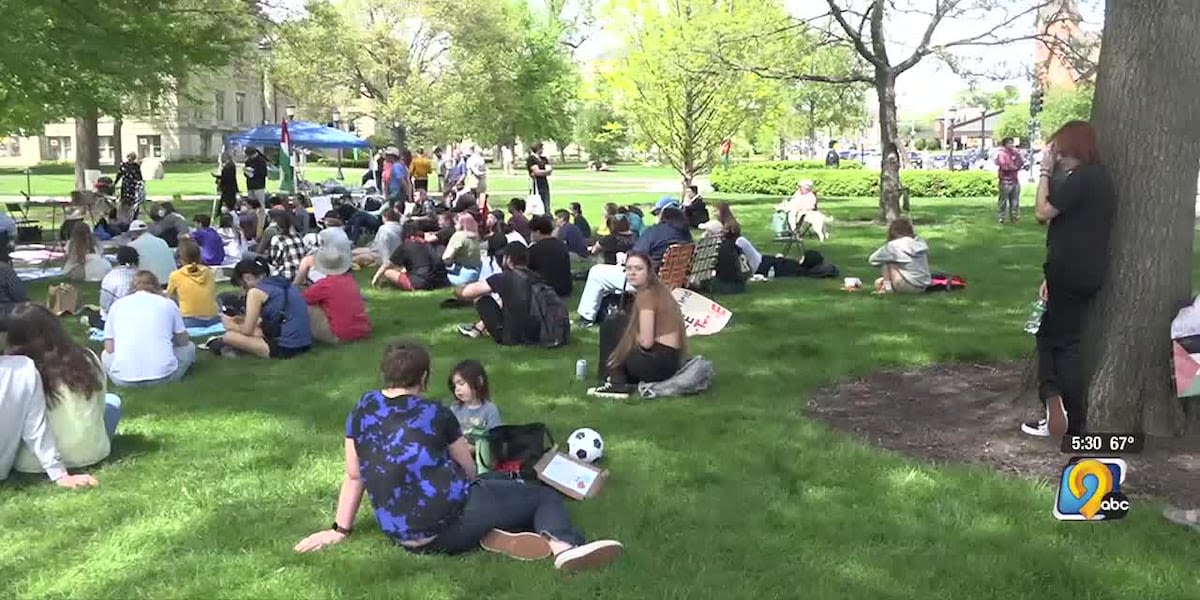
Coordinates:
x,y
392,151
138,225
664,202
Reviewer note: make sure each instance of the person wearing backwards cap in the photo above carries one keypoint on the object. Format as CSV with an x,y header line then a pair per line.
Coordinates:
x,y
154,254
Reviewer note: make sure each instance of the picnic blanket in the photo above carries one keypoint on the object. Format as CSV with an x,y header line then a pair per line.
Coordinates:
x,y
32,273
97,335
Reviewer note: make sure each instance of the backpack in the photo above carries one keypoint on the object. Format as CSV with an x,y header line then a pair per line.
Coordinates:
x,y
516,449
550,314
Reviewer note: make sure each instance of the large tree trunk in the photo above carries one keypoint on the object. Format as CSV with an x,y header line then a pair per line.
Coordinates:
x,y
1150,142
117,147
889,176
87,146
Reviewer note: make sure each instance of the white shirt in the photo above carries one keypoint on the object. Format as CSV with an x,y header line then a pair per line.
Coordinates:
x,y
23,417
142,327
116,285
154,255
477,166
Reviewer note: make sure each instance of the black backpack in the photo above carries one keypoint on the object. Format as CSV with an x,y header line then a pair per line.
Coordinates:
x,y
525,444
550,314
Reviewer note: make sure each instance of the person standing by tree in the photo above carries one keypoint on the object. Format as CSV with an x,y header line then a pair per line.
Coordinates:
x,y
1077,199
539,171
1010,163
131,189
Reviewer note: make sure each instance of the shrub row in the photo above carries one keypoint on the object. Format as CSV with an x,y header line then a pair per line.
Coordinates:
x,y
844,183
801,165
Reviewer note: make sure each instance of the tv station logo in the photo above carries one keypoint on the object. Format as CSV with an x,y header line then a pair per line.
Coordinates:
x,y
1090,490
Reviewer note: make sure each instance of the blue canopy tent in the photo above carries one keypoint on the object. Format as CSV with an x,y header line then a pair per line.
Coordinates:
x,y
302,133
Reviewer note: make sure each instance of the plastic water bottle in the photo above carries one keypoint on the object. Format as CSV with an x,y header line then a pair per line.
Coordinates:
x,y
580,369
771,272
1034,322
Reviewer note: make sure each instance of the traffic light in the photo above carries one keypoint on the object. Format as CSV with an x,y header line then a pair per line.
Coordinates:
x,y
1035,102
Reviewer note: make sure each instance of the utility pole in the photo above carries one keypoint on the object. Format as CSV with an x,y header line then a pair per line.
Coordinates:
x,y
1035,108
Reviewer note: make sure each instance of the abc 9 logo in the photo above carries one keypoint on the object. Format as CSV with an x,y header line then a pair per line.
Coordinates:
x,y
1114,506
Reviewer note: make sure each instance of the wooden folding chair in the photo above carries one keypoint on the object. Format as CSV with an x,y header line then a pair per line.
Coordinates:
x,y
674,269
704,262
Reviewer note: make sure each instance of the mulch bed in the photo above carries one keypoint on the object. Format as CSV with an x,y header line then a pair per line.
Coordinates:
x,y
967,413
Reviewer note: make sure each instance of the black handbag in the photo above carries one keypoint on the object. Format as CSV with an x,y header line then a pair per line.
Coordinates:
x,y
521,444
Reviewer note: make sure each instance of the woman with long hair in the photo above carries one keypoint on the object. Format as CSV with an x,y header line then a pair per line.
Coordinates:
x,y
1076,199
462,256
903,260
80,414
654,343
84,261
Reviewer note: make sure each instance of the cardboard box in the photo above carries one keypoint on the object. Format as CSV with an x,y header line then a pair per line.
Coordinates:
x,y
573,477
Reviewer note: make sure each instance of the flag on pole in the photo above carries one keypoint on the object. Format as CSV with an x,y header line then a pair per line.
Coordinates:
x,y
287,180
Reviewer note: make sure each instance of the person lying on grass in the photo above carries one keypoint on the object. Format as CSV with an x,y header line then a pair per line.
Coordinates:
x,y
82,417
272,323
23,422
409,455
904,260
655,340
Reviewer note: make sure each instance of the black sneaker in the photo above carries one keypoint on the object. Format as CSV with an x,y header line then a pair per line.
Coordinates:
x,y
214,345
611,390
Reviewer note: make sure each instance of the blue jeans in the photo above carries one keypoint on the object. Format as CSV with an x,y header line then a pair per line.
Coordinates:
x,y
460,275
509,505
1009,206
112,413
190,322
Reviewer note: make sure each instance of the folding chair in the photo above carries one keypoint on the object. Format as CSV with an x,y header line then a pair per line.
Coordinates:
x,y
28,230
704,262
17,211
674,269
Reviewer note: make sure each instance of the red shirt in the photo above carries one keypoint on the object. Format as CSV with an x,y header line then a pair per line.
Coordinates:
x,y
1010,163
340,298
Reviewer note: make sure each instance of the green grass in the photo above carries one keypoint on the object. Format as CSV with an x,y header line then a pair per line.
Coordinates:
x,y
732,494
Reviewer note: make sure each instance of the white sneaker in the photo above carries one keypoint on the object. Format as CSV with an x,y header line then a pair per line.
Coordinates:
x,y
593,555
1037,428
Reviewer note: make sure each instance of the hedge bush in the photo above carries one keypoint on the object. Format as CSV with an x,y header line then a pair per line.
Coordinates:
x,y
800,165
746,179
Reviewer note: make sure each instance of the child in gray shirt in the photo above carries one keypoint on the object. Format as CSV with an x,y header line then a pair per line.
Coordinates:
x,y
476,413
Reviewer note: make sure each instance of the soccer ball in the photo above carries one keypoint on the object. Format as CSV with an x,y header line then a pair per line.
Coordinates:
x,y
586,445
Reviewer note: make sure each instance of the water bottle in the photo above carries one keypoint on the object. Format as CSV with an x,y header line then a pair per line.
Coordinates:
x,y
580,369
771,272
1034,322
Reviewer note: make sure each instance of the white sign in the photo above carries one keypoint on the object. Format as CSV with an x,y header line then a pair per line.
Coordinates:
x,y
701,315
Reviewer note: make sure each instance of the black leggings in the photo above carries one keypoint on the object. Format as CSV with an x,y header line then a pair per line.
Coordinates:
x,y
658,363
1060,363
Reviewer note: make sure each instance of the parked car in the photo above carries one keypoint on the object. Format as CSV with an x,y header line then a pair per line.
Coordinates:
x,y
916,159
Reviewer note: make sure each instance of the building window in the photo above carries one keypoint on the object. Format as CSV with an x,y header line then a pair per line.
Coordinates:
x,y
149,145
10,147
219,105
206,140
106,149
239,104
197,113
57,148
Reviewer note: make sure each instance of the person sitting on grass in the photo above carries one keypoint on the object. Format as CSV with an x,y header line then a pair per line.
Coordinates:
x,y
414,265
610,212
82,417
154,254
602,280
23,423
517,220
287,246
904,260
655,340
168,224
613,246
309,272
118,283
387,238
12,289
473,407
408,454
580,221
212,247
272,323
462,255
145,340
233,241
548,256
731,272
337,313
571,235
509,321
194,287
84,260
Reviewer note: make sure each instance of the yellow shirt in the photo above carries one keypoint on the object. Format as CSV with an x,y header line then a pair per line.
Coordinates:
x,y
196,290
421,167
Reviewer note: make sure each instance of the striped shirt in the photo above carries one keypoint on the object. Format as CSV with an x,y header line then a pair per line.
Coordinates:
x,y
115,285
287,250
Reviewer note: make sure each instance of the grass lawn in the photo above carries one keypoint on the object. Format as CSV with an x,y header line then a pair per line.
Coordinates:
x,y
732,494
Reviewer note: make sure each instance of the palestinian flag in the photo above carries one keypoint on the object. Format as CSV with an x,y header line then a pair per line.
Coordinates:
x,y
287,179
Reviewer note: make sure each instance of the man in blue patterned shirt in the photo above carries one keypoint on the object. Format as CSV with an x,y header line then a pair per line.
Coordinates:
x,y
409,455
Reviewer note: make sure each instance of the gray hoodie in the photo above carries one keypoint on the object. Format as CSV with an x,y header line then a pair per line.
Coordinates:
x,y
911,255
